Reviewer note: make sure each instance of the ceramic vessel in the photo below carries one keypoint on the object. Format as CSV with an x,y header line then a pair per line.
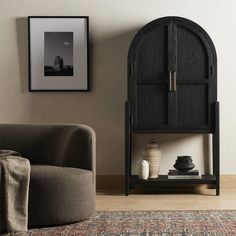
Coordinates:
x,y
143,167
153,155
184,163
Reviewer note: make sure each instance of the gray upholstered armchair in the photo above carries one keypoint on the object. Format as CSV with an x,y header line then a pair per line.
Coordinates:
x,y
62,157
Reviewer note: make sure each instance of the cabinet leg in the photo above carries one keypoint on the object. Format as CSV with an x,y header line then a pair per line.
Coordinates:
x,y
127,148
216,150
217,189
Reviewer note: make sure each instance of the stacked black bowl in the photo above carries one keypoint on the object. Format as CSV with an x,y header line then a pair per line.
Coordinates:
x,y
184,163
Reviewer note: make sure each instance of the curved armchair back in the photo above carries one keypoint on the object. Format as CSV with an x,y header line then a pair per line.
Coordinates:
x,y
71,145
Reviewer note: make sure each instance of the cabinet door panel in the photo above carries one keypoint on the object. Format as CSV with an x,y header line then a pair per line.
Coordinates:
x,y
172,76
151,105
192,105
192,58
151,61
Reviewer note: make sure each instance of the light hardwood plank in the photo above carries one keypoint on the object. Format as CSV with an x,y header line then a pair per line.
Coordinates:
x,y
111,198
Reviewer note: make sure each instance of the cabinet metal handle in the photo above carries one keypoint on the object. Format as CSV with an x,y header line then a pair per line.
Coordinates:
x,y
172,80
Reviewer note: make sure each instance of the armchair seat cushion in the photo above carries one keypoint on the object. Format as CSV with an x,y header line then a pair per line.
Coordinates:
x,y
60,195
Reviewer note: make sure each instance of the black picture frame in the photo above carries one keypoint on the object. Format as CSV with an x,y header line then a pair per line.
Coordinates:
x,y
75,81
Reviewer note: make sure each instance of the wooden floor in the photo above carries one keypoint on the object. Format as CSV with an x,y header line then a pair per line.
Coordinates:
x,y
202,199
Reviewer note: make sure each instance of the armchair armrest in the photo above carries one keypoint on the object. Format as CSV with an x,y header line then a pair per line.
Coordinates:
x,y
79,149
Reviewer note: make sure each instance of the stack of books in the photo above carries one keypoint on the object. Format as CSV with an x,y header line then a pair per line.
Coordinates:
x,y
192,174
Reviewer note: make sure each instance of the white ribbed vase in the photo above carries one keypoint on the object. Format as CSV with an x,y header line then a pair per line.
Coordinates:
x,y
153,155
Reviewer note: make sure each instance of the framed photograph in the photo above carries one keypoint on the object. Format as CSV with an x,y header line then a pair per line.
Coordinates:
x,y
58,53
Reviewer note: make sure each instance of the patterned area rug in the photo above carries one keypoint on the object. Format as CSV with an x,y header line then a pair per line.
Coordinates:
x,y
149,223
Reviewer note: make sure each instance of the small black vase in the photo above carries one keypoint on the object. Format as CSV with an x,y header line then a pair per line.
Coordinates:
x,y
184,163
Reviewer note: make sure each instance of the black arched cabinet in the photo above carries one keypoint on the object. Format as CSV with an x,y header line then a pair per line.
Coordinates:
x,y
172,88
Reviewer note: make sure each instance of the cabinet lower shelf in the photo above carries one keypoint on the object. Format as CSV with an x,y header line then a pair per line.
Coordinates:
x,y
163,179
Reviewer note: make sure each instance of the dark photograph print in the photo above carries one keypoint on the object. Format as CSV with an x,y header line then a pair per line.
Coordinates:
x,y
58,54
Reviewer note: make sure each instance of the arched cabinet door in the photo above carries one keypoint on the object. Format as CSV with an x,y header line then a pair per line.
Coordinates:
x,y
171,76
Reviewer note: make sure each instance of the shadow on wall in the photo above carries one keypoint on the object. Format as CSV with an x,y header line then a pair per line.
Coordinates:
x,y
207,152
109,72
102,108
22,40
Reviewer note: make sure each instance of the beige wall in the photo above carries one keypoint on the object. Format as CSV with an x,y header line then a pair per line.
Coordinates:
x,y
112,26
